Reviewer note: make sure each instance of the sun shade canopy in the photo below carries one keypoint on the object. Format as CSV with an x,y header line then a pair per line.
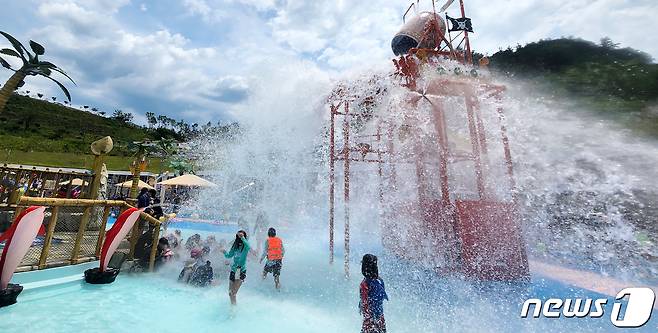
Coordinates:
x,y
75,182
141,184
187,180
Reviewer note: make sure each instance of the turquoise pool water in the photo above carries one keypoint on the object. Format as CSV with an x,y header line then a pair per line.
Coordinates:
x,y
316,297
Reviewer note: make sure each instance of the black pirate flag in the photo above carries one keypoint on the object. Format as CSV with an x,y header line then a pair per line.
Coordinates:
x,y
460,24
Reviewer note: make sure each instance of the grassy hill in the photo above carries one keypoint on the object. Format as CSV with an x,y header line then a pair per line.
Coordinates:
x,y
620,83
37,132
28,124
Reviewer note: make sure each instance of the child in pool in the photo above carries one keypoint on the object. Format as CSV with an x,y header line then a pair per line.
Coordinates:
x,y
239,251
372,295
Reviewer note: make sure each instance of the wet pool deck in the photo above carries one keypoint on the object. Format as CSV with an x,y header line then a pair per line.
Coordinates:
x,y
582,279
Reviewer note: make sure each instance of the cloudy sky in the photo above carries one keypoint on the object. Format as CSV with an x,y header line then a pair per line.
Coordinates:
x,y
199,59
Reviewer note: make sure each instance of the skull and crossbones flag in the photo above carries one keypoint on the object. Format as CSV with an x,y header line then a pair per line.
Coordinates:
x,y
460,24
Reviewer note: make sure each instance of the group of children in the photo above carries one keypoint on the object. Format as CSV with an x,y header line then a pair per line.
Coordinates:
x,y
372,292
199,272
273,251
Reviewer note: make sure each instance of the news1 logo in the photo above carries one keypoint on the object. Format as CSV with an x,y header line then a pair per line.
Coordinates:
x,y
637,311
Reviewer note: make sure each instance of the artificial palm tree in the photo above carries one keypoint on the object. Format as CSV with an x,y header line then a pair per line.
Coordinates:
x,y
140,150
31,66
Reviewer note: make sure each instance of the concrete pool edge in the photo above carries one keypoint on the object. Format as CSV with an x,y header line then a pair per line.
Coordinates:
x,y
581,279
586,280
36,279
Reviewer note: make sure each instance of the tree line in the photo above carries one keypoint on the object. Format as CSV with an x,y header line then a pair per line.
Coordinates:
x,y
165,127
584,68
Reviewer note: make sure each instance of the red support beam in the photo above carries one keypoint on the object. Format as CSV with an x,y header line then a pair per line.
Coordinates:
x,y
468,56
506,147
380,173
380,168
444,152
480,126
332,180
390,148
346,151
470,107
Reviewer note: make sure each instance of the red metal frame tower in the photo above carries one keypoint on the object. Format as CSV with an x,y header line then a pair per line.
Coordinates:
x,y
478,236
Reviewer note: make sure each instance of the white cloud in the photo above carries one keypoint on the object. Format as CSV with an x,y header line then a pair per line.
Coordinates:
x,y
203,9
520,22
132,64
347,33
116,67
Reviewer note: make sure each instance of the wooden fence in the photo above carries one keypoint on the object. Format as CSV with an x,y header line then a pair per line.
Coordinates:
x,y
43,182
75,230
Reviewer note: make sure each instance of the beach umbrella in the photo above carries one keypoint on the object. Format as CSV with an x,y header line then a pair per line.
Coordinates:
x,y
75,182
140,185
187,180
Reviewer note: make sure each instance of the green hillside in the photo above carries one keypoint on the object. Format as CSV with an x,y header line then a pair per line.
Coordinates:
x,y
620,83
28,124
37,132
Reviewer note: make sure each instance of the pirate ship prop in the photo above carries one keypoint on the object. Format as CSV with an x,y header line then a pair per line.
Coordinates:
x,y
440,153
17,242
104,274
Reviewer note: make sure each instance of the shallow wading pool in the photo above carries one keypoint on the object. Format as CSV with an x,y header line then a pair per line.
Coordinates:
x,y
316,297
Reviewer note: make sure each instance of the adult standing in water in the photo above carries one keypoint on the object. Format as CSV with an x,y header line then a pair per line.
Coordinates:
x,y
239,251
274,252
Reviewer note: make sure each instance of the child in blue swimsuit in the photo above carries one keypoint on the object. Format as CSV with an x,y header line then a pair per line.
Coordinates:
x,y
373,294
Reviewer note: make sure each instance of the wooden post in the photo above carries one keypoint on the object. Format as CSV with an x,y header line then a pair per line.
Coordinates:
x,y
49,237
134,236
154,247
99,148
70,185
97,173
137,167
56,188
81,232
18,212
101,232
134,188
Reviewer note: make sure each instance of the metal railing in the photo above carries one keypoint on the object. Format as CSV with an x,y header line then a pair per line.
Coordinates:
x,y
75,230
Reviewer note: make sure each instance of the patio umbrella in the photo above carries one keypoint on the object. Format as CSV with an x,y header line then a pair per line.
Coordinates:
x,y
140,185
187,180
75,182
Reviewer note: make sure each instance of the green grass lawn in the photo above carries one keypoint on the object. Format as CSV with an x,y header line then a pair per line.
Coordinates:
x,y
70,160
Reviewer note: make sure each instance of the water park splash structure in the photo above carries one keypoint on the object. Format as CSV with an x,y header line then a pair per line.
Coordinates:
x,y
445,184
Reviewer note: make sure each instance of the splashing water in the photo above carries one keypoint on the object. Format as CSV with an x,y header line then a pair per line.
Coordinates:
x,y
585,190
585,193
585,185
